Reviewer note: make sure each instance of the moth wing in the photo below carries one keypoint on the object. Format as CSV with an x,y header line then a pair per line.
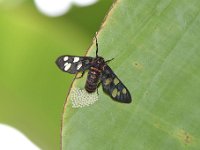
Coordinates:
x,y
73,64
114,87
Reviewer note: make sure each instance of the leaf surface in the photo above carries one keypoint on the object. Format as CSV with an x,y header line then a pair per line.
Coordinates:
x,y
156,49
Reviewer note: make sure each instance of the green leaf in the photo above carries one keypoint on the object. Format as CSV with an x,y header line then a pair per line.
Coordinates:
x,y
156,49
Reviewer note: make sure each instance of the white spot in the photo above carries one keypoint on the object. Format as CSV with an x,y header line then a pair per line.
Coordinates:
x,y
76,59
79,66
54,8
67,66
65,58
84,2
13,139
81,98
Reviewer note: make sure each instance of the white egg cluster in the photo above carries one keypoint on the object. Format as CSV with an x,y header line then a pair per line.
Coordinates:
x,y
81,98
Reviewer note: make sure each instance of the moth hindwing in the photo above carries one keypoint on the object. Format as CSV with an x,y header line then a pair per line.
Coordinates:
x,y
114,87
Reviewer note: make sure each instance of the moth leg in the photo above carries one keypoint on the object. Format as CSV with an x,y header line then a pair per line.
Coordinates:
x,y
109,60
98,88
96,45
82,73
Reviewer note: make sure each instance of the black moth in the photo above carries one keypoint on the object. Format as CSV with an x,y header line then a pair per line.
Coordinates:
x,y
99,72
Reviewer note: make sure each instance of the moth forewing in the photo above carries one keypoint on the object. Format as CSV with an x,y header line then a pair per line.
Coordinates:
x,y
73,64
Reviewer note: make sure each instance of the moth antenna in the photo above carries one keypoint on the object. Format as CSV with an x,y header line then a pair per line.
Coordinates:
x,y
97,47
109,60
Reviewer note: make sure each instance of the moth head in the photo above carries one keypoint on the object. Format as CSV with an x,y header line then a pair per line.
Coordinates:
x,y
100,60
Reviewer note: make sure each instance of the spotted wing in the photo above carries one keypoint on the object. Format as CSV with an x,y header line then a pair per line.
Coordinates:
x,y
73,64
114,87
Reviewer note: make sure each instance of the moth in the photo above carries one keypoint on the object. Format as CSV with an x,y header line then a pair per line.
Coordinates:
x,y
98,73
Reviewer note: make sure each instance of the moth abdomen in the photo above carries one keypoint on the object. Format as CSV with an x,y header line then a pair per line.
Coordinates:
x,y
92,80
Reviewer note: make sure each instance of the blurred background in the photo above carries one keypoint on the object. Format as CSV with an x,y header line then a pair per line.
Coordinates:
x,y
32,35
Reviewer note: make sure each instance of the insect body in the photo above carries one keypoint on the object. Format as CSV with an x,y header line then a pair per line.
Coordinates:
x,y
99,72
93,77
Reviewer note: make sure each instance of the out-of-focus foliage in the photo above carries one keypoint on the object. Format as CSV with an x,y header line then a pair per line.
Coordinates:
x,y
32,89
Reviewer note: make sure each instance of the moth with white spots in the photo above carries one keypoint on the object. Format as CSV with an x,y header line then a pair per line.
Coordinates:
x,y
99,72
